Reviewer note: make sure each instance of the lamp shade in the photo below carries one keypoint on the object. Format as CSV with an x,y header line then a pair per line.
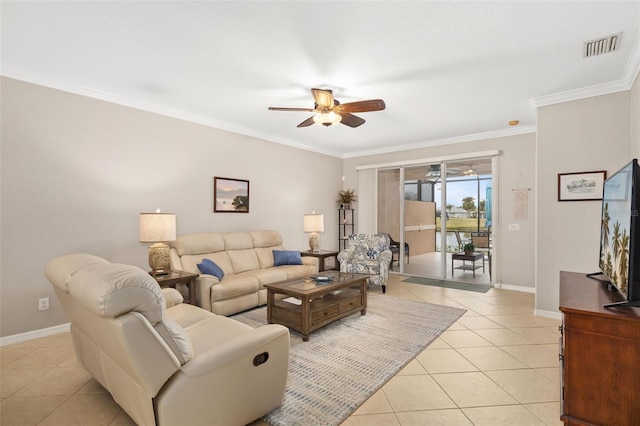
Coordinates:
x,y
157,227
313,222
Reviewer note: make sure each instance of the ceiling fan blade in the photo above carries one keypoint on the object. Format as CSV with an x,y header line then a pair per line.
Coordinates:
x,y
323,97
361,106
291,109
351,120
306,123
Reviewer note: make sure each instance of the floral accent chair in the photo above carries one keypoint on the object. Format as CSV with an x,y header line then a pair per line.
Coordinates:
x,y
367,254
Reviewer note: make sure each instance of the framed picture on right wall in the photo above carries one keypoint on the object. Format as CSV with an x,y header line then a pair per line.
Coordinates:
x,y
581,186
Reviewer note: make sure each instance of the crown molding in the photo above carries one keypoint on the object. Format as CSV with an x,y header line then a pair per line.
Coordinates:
x,y
630,73
520,130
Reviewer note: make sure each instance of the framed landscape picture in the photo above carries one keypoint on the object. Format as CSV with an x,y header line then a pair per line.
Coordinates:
x,y
581,186
230,195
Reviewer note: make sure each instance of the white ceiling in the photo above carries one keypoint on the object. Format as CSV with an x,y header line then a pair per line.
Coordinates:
x,y
448,71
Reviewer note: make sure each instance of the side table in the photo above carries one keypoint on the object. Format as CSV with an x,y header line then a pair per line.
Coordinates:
x,y
472,257
179,277
322,255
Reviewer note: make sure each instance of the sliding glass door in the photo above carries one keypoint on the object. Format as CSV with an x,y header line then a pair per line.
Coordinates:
x,y
421,207
466,220
430,210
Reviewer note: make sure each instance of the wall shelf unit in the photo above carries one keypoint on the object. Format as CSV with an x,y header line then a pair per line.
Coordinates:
x,y
346,226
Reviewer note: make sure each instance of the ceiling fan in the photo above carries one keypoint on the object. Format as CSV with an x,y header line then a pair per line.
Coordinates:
x,y
329,111
435,173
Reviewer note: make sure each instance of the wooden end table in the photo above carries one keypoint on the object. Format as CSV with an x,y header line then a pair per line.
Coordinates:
x,y
311,304
179,277
322,255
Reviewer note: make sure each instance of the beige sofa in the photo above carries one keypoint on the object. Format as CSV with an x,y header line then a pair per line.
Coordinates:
x,y
247,261
163,361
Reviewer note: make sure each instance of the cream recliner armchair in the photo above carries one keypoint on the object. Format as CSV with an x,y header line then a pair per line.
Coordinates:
x,y
165,362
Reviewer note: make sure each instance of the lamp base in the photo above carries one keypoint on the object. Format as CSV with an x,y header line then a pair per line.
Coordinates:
x,y
314,242
159,259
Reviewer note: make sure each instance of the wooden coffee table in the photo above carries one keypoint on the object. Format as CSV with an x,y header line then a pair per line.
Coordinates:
x,y
311,304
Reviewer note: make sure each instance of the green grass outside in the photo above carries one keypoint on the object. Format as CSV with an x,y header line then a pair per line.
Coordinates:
x,y
462,224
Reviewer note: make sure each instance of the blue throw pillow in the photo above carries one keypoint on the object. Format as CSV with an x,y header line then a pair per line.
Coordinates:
x,y
286,257
209,267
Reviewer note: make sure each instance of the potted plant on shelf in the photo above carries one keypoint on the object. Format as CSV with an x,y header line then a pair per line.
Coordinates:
x,y
346,197
468,248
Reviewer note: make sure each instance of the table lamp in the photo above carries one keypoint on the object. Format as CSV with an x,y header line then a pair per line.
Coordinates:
x,y
158,228
313,224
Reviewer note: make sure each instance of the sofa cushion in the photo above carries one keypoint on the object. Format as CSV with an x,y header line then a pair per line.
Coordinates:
x,y
186,315
286,257
265,255
215,331
269,275
370,267
208,242
209,267
266,238
237,240
221,258
299,271
234,285
243,260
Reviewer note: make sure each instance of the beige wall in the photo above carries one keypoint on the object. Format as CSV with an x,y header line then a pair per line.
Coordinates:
x,y
585,135
515,251
77,171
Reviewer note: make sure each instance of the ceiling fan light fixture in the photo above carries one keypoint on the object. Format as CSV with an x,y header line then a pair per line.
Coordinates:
x,y
327,118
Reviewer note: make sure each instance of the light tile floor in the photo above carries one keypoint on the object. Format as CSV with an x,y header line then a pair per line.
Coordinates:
x,y
497,365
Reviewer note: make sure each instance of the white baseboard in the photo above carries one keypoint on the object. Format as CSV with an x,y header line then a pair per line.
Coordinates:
x,y
548,314
515,288
536,312
35,334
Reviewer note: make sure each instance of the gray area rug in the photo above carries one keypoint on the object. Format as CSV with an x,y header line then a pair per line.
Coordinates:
x,y
344,363
479,288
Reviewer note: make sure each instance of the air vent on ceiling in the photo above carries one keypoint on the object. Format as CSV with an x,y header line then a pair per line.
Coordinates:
x,y
601,45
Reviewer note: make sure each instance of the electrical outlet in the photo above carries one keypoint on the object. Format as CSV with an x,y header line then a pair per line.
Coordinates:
x,y
514,227
43,304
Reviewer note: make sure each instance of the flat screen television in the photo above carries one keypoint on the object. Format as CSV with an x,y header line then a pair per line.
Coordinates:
x,y
620,234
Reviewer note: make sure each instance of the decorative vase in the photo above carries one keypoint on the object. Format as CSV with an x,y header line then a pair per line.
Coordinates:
x,y
467,252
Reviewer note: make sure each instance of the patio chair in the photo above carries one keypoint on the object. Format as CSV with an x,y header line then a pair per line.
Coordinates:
x,y
394,246
483,244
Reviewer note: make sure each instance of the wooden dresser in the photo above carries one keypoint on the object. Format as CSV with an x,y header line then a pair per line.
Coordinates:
x,y
600,355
